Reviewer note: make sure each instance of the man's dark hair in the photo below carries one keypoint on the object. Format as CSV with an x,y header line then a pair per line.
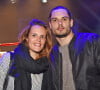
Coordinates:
x,y
60,7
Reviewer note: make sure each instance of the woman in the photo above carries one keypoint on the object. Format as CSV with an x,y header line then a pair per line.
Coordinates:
x,y
28,68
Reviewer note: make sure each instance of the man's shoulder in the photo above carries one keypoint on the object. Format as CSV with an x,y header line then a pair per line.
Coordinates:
x,y
88,36
55,48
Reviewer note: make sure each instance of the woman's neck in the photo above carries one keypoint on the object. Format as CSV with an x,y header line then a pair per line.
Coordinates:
x,y
34,55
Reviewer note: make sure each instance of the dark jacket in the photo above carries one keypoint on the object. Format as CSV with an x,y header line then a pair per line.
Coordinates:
x,y
84,50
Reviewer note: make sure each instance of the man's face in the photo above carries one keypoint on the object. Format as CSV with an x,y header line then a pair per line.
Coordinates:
x,y
60,23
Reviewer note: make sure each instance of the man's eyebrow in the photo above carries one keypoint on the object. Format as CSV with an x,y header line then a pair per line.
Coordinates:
x,y
62,17
65,17
53,18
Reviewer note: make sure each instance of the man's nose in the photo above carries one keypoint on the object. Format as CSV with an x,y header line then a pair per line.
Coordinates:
x,y
59,22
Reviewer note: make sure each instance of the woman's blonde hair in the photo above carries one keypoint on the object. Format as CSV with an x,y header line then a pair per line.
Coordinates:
x,y
25,32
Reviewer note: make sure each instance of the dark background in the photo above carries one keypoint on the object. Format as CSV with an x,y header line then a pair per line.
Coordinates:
x,y
15,16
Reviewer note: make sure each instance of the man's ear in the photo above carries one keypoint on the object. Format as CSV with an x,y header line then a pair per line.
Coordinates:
x,y
72,22
49,24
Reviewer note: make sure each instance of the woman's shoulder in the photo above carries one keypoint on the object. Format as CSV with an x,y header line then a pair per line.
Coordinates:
x,y
5,59
4,66
5,55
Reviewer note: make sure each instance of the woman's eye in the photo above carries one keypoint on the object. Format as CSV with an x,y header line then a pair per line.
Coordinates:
x,y
43,37
34,35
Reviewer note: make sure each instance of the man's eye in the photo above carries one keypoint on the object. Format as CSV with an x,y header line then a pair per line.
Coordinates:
x,y
53,20
65,19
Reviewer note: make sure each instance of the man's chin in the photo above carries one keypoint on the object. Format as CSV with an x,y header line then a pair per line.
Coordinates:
x,y
61,36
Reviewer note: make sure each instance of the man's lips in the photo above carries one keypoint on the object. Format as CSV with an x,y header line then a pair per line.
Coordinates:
x,y
61,29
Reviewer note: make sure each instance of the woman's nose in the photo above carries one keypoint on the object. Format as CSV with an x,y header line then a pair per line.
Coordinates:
x,y
39,38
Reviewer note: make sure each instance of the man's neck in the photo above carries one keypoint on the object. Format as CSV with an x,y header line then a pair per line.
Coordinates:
x,y
65,40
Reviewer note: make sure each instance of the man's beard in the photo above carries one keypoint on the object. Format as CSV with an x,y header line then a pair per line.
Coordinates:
x,y
63,35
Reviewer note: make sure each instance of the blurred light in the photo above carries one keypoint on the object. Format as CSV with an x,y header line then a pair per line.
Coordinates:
x,y
13,1
44,1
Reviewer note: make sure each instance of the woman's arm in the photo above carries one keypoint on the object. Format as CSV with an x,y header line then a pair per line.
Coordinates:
x,y
4,66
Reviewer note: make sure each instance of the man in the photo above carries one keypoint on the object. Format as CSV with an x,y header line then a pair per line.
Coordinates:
x,y
76,57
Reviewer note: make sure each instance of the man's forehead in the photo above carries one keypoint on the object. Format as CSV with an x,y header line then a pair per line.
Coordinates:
x,y
59,12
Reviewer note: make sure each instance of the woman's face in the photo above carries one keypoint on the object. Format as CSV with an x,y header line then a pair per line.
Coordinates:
x,y
36,39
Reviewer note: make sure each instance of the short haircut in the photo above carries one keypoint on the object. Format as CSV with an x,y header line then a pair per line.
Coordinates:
x,y
60,7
